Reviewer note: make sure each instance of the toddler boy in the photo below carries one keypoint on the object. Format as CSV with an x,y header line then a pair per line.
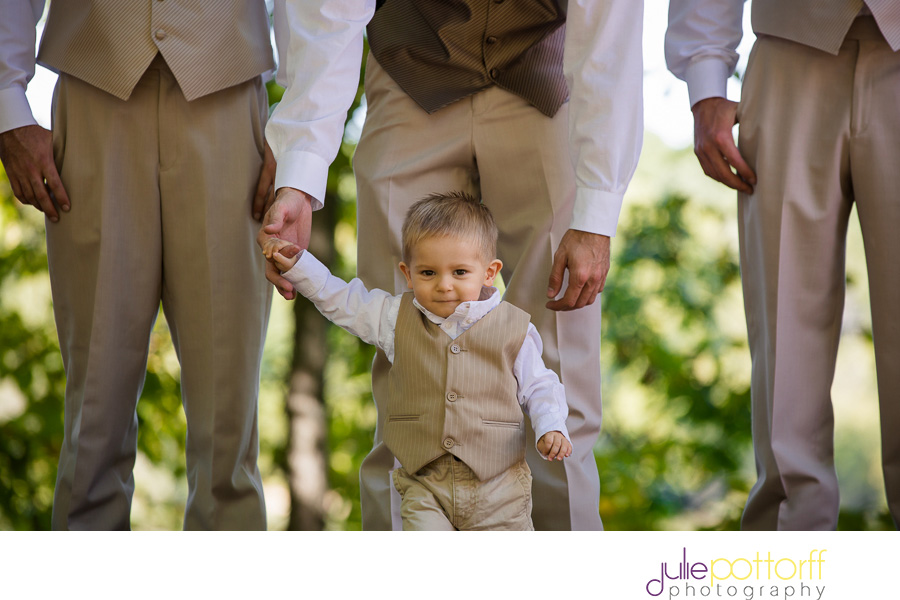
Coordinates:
x,y
465,364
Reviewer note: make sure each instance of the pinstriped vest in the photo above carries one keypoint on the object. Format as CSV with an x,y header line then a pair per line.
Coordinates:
x,y
822,24
456,396
440,52
209,46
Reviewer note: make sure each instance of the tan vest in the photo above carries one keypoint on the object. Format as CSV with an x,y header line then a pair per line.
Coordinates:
x,y
440,52
456,396
822,24
208,45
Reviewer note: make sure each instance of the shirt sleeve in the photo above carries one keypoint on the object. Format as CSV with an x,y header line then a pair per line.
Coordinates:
x,y
17,49
701,44
320,44
603,64
371,315
540,392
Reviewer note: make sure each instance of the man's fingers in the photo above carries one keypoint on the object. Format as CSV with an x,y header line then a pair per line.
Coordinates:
x,y
557,271
733,156
281,284
573,298
716,166
58,190
259,199
273,223
42,201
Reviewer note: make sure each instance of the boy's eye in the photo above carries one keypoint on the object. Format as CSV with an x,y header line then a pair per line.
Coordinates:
x,y
427,272
460,272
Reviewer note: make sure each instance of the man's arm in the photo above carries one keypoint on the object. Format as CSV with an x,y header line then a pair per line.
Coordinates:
x,y
604,72
319,49
26,148
700,49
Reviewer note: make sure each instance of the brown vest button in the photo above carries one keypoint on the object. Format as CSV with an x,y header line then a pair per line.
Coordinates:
x,y
452,396
160,34
448,443
455,349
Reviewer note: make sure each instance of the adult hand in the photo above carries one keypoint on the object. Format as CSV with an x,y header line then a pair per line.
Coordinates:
x,y
265,187
714,118
586,256
27,155
289,218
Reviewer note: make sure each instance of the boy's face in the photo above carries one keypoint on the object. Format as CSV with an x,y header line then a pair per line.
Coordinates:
x,y
443,272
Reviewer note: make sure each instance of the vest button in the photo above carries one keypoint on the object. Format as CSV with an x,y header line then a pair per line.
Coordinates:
x,y
452,396
160,34
495,73
448,443
491,39
455,349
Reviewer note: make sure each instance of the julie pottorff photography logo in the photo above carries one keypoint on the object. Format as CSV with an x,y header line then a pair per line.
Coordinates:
x,y
760,574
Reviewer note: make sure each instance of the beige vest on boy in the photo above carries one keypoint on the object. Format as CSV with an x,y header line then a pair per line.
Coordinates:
x,y
209,46
456,396
823,24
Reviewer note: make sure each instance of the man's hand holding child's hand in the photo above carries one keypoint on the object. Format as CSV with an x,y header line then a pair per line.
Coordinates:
x,y
284,253
554,444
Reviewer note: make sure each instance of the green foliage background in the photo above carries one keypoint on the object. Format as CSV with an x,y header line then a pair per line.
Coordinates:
x,y
675,450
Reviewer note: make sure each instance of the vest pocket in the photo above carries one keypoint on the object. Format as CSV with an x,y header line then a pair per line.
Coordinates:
x,y
510,424
403,417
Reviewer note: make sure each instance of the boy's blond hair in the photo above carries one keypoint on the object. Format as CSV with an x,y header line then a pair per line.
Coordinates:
x,y
455,214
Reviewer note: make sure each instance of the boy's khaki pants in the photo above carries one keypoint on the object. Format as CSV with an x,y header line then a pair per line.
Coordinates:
x,y
161,192
445,495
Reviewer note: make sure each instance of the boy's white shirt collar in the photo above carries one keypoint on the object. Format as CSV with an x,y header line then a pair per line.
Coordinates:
x,y
467,313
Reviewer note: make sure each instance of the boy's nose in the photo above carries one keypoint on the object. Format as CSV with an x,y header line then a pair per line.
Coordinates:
x,y
445,284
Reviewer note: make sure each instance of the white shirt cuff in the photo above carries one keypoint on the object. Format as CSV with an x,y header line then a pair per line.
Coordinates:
x,y
304,171
706,78
308,275
596,211
16,111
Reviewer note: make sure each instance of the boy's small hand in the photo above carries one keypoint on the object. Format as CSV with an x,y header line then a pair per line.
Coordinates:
x,y
282,252
554,444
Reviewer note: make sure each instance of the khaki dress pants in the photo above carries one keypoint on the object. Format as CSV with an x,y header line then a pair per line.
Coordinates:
x,y
821,132
161,192
496,146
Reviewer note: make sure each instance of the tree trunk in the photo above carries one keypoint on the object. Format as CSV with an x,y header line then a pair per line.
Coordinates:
x,y
307,456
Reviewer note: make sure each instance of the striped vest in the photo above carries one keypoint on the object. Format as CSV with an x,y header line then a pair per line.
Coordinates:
x,y
822,24
440,52
209,46
456,396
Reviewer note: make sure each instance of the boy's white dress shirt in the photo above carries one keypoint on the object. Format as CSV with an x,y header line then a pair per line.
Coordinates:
x,y
371,315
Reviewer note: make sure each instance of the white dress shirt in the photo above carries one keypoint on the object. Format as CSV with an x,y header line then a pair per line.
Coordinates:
x,y
18,38
371,315
701,42
320,49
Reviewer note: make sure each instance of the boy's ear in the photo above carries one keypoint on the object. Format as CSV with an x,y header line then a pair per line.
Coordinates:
x,y
406,273
493,270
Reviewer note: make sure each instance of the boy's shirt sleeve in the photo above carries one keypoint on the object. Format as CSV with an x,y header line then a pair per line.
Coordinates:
x,y
542,396
371,315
